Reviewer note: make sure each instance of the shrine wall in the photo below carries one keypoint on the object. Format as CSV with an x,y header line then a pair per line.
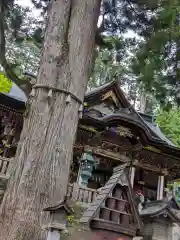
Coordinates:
x,y
95,235
175,232
161,231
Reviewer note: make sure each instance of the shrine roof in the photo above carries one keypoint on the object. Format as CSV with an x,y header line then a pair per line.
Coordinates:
x,y
151,208
132,115
99,89
162,208
115,86
156,131
159,134
61,205
16,93
14,100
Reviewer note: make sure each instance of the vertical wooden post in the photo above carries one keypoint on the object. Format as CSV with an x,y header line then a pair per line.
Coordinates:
x,y
58,220
79,174
132,175
160,188
75,191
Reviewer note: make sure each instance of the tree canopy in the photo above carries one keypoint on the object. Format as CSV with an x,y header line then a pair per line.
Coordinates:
x,y
136,40
157,62
18,51
169,122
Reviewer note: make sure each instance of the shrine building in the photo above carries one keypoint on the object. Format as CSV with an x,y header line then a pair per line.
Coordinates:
x,y
121,166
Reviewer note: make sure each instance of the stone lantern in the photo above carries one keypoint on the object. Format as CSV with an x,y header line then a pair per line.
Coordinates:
x,y
58,220
87,163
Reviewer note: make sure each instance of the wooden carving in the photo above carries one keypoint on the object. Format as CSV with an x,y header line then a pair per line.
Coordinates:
x,y
101,110
111,95
123,131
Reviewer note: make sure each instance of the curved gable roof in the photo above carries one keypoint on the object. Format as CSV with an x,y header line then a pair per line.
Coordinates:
x,y
135,116
16,93
160,208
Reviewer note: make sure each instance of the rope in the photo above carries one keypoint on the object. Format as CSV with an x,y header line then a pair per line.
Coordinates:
x,y
50,88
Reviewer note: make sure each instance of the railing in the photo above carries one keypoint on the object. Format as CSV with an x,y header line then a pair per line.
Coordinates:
x,y
86,195
81,194
75,192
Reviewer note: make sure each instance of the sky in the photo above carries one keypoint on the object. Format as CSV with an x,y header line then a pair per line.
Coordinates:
x,y
28,3
35,12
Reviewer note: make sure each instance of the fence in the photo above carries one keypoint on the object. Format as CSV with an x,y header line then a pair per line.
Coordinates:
x,y
81,194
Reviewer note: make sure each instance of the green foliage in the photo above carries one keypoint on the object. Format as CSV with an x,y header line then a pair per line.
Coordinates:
x,y
22,53
106,67
5,84
169,122
150,61
156,63
18,52
174,187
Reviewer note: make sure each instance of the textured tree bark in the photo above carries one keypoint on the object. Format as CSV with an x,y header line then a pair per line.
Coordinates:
x,y
44,153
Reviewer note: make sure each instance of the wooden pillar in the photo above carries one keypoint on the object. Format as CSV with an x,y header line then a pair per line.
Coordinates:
x,y
132,175
160,188
75,191
79,174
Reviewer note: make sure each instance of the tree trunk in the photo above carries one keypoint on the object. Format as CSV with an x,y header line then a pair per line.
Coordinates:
x,y
44,154
143,98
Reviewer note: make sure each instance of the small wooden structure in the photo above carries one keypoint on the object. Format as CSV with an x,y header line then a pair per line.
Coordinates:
x,y
159,218
114,209
58,220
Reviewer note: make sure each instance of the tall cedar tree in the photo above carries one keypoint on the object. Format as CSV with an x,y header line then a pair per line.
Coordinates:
x,y
44,154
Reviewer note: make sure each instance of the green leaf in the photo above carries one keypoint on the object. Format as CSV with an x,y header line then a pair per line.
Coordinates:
x,y
5,84
169,122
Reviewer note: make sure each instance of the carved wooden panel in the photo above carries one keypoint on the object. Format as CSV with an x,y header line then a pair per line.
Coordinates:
x,y
157,162
10,128
83,135
111,96
104,108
